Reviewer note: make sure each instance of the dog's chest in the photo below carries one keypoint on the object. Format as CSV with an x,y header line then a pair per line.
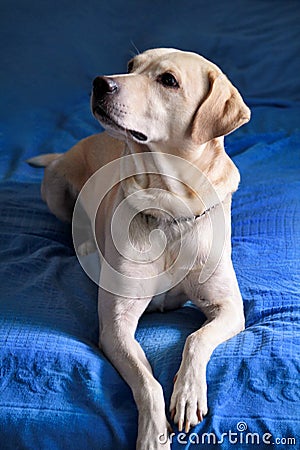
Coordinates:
x,y
171,245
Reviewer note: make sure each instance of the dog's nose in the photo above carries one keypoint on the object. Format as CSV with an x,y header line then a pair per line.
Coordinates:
x,y
104,85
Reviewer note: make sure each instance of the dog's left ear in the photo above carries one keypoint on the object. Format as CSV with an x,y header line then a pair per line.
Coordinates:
x,y
222,111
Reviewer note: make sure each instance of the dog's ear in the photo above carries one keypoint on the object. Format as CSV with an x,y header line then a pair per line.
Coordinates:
x,y
222,111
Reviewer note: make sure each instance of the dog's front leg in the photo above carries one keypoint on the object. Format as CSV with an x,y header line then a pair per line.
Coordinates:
x,y
118,321
221,302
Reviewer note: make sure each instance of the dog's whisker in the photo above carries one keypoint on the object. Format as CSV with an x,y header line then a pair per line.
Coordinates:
x,y
135,48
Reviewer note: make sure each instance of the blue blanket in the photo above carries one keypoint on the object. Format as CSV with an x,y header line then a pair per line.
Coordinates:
x,y
57,390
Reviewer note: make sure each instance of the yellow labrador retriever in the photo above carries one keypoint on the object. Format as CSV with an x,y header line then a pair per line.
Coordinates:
x,y
171,106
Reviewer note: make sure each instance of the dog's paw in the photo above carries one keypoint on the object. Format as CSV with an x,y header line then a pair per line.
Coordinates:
x,y
189,400
153,434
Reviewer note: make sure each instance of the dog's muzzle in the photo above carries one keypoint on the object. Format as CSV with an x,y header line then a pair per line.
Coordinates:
x,y
103,89
103,86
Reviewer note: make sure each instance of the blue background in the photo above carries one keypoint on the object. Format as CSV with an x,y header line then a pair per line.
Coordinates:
x,y
57,390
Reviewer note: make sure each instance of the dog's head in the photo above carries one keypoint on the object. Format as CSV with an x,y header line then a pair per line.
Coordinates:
x,y
168,97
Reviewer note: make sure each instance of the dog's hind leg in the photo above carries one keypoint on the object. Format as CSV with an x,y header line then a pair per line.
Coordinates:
x,y
58,192
56,189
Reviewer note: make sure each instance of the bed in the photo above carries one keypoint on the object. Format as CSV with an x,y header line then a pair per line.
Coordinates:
x,y
57,390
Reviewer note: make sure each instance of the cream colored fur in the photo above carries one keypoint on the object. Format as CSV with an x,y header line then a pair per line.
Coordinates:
x,y
188,121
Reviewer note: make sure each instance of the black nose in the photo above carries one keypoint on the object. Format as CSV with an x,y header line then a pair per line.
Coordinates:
x,y
104,85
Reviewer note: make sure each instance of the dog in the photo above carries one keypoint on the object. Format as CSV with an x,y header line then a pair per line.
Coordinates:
x,y
174,107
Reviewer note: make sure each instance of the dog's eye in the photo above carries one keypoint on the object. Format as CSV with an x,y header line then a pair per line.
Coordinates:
x,y
167,79
130,66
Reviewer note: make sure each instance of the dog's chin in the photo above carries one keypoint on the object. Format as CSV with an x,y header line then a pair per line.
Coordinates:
x,y
116,130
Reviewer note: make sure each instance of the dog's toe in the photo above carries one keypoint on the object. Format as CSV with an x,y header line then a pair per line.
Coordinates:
x,y
188,402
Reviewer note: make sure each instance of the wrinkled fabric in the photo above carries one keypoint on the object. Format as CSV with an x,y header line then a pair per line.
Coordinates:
x,y
57,390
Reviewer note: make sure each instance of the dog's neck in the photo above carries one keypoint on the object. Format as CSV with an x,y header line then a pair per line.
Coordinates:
x,y
200,177
177,220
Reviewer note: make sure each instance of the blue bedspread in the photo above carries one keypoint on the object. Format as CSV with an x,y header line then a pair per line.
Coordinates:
x,y
57,390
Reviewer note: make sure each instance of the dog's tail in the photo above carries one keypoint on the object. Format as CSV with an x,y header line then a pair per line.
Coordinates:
x,y
43,160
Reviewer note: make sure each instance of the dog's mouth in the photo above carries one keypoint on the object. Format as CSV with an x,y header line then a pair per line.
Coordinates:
x,y
138,135
107,120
